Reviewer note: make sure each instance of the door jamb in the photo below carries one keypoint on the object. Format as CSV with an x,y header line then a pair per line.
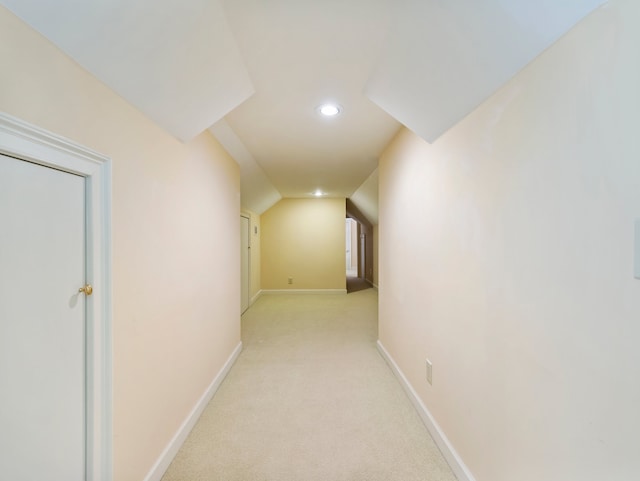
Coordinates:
x,y
25,141
248,217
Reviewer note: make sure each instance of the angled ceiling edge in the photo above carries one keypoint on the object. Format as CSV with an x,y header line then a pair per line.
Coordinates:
x,y
365,198
443,59
174,60
257,193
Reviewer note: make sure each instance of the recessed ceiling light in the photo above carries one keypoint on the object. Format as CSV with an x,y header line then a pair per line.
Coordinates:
x,y
329,110
318,193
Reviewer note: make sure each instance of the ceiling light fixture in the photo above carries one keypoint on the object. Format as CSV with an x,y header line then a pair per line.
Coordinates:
x,y
329,110
319,193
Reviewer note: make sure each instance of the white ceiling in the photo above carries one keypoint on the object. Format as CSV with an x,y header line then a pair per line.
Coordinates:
x,y
366,198
257,191
175,60
300,54
254,71
442,58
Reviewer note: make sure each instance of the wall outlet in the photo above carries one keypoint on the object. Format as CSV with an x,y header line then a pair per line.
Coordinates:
x,y
290,280
429,372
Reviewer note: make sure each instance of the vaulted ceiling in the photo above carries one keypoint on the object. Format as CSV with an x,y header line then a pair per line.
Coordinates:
x,y
255,71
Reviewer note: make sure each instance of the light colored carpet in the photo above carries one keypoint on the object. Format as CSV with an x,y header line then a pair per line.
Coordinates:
x,y
310,399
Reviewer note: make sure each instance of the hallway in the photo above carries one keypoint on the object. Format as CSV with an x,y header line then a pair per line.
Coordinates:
x,y
310,399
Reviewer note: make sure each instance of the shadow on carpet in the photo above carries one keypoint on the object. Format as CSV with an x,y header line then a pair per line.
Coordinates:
x,y
355,284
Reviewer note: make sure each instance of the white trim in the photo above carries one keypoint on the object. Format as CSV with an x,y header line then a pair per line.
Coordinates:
x,y
170,451
256,297
249,277
450,454
22,140
303,291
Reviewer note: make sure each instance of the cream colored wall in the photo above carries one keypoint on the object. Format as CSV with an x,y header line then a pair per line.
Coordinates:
x,y
517,278
304,239
256,234
176,276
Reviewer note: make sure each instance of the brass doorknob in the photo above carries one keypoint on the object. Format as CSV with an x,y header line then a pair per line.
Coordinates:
x,y
88,289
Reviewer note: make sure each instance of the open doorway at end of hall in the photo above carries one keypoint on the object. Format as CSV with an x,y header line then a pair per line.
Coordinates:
x,y
351,247
355,247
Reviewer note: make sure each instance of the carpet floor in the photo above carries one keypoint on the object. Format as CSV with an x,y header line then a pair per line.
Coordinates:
x,y
310,399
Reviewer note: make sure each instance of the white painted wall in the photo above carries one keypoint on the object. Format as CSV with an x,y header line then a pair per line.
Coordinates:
x,y
517,279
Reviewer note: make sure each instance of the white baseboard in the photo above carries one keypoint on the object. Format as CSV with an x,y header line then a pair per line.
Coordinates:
x,y
450,455
304,291
256,297
163,462
375,286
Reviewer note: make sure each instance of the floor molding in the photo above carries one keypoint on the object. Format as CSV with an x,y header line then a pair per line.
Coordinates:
x,y
256,297
304,291
451,456
163,462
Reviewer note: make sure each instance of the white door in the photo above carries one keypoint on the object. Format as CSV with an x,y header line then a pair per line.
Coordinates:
x,y
244,263
42,323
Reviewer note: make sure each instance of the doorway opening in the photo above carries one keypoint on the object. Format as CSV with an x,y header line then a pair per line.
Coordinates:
x,y
359,249
355,250
351,247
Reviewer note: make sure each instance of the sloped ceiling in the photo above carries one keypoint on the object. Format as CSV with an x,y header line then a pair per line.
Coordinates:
x,y
366,198
300,54
256,190
175,60
444,57
254,72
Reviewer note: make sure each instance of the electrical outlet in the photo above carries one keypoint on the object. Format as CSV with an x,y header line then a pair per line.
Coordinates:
x,y
290,280
429,372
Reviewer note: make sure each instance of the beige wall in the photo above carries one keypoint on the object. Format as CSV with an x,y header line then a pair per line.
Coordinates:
x,y
254,239
517,277
176,242
304,239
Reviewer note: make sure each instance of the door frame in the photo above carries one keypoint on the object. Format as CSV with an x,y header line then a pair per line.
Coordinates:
x,y
25,141
248,217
